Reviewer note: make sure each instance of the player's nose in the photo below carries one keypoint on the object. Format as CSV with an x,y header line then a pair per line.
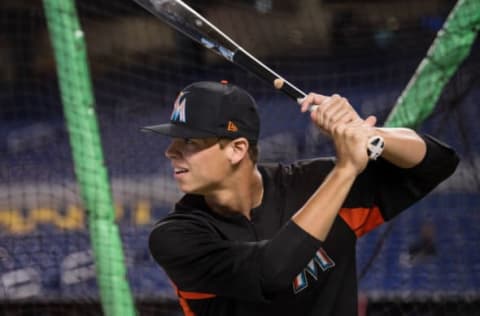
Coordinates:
x,y
172,150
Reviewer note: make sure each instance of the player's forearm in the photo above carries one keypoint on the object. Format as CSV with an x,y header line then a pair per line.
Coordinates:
x,y
318,214
403,147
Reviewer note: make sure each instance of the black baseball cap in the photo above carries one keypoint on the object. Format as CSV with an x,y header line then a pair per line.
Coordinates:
x,y
212,109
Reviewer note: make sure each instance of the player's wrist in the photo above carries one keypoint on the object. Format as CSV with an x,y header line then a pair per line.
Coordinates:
x,y
345,171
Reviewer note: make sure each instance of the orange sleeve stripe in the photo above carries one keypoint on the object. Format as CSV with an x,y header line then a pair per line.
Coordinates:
x,y
184,295
185,308
191,295
195,295
362,220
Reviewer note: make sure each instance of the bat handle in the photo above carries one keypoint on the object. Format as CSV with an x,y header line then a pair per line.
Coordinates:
x,y
375,144
375,147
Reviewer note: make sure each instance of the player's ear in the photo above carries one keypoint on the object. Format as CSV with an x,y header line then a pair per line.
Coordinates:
x,y
238,149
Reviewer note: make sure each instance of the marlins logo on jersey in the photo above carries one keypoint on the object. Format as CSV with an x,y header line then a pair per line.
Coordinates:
x,y
178,113
320,259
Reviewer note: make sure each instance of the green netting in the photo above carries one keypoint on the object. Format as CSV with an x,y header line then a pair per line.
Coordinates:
x,y
78,103
452,45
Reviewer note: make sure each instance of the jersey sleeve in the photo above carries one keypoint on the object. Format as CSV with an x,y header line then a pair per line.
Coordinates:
x,y
199,261
383,190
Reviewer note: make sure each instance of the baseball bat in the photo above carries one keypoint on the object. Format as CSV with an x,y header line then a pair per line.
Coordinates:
x,y
187,21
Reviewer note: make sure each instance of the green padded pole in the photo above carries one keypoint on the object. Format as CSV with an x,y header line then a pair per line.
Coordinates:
x,y
78,103
451,46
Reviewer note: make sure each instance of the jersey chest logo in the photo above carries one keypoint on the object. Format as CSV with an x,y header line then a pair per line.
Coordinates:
x,y
320,260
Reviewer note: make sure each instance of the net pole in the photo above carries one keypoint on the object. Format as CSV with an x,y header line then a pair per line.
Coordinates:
x,y
450,47
92,178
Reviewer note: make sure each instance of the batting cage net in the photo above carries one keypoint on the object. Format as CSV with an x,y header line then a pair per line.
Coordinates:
x,y
81,186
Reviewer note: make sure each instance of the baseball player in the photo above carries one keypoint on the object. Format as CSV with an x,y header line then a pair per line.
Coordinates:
x,y
252,239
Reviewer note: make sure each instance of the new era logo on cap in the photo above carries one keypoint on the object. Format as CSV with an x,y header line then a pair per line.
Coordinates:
x,y
231,127
212,109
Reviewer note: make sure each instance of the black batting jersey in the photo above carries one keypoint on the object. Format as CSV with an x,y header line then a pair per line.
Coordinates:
x,y
229,265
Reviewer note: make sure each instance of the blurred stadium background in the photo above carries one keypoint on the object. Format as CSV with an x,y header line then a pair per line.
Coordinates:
x,y
426,262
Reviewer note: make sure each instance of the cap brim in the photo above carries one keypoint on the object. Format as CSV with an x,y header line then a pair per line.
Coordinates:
x,y
177,131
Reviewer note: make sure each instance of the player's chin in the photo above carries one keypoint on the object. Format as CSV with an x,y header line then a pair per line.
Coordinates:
x,y
192,185
186,188
183,187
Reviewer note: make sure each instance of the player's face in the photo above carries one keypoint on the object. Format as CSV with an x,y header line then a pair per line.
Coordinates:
x,y
199,165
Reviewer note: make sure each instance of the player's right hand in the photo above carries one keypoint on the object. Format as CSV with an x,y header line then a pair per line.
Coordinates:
x,y
350,141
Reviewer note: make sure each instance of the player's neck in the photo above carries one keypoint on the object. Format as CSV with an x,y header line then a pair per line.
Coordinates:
x,y
243,193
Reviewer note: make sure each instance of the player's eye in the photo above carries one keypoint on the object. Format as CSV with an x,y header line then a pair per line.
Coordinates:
x,y
188,141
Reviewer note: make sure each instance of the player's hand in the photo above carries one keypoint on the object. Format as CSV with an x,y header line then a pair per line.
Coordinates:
x,y
350,142
329,111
